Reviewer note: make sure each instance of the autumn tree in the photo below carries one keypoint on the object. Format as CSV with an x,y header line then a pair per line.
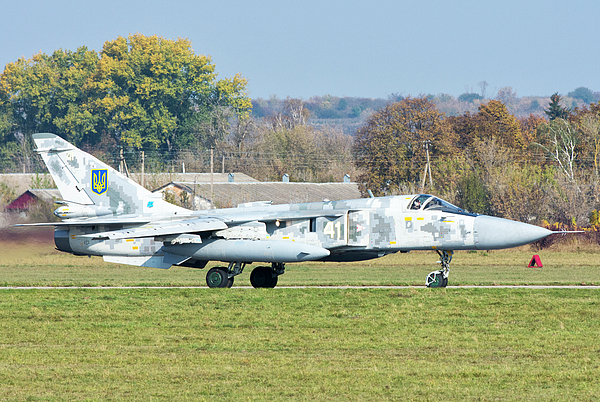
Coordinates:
x,y
46,93
528,126
389,147
294,114
142,91
587,121
492,121
7,144
304,152
506,95
151,91
472,195
500,187
560,139
589,125
470,97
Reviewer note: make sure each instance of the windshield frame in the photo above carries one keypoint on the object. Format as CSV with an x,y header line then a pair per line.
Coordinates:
x,y
427,202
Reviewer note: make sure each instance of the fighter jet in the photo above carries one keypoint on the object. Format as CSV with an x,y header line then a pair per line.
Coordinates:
x,y
106,214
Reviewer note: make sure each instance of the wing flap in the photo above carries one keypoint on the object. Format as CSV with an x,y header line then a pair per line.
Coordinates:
x,y
282,215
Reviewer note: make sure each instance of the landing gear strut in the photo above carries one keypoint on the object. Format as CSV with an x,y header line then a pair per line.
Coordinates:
x,y
261,277
439,279
266,277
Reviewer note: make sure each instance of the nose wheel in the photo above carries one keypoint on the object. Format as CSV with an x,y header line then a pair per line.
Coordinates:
x,y
439,279
436,279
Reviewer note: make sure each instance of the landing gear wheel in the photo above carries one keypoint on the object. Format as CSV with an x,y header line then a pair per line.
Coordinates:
x,y
273,281
217,278
230,282
262,277
439,279
436,279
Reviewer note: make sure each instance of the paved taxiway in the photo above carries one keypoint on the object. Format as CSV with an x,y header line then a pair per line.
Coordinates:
x,y
300,287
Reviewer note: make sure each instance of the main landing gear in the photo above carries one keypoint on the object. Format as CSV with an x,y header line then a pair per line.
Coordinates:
x,y
261,277
439,279
266,277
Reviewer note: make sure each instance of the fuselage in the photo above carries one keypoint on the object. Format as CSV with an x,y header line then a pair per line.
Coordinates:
x,y
349,230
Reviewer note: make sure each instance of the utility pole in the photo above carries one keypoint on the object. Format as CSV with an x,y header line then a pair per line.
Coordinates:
x,y
121,160
122,163
212,172
427,167
143,168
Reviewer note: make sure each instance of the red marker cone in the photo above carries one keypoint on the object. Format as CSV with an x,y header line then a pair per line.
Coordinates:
x,y
535,262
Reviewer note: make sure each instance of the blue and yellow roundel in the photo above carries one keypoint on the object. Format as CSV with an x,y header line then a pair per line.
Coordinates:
x,y
99,181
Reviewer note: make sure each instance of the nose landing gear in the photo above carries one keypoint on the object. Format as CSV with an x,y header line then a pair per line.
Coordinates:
x,y
439,279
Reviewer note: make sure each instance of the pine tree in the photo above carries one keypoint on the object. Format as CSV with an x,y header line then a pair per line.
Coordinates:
x,y
555,110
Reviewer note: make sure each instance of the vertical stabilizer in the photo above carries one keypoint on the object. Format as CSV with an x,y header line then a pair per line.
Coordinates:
x,y
85,180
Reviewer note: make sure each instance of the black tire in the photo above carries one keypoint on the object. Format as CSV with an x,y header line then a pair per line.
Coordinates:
x,y
438,281
217,278
273,281
230,282
262,277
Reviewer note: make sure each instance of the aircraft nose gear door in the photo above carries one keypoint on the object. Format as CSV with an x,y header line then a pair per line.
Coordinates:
x,y
439,279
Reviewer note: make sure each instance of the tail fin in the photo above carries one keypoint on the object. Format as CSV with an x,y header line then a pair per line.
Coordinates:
x,y
83,179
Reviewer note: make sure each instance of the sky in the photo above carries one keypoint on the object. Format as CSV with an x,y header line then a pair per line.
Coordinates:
x,y
350,48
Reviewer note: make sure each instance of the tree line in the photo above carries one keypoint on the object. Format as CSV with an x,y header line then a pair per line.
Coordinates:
x,y
156,95
531,169
138,92
151,96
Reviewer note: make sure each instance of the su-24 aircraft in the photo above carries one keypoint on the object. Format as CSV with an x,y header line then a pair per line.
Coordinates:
x,y
106,214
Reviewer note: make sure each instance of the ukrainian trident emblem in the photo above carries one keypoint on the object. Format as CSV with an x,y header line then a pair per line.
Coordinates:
x,y
99,181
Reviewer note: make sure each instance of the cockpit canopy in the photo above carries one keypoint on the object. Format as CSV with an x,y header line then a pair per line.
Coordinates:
x,y
430,203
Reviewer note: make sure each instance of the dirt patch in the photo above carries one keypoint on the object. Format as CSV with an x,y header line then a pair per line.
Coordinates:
x,y
27,235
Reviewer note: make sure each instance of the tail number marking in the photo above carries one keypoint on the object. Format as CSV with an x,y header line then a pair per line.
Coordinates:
x,y
332,229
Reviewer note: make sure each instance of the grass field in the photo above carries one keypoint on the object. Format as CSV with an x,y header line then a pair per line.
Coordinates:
x,y
299,344
30,260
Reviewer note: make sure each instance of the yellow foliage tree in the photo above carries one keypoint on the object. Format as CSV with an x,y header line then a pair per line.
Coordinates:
x,y
144,91
491,122
389,148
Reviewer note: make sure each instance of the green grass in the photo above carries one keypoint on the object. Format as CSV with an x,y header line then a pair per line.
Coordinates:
x,y
38,264
300,344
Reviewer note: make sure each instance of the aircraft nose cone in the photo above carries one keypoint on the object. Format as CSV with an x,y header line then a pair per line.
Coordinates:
x,y
496,233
